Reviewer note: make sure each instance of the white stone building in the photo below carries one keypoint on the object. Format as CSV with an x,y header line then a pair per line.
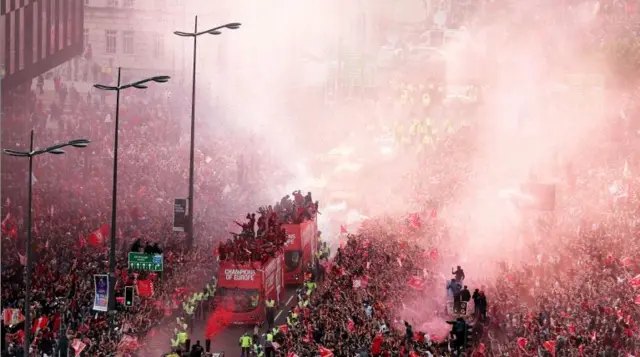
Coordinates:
x,y
137,35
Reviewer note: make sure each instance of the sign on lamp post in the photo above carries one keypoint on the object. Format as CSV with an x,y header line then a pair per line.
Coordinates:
x,y
146,262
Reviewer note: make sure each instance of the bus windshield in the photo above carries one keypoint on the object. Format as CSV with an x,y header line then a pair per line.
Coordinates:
x,y
238,300
292,260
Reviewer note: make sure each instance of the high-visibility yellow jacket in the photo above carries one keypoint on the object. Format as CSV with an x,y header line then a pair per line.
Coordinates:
x,y
292,319
270,303
246,341
303,303
182,337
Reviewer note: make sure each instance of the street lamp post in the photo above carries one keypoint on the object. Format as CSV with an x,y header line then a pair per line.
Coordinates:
x,y
55,150
195,34
112,249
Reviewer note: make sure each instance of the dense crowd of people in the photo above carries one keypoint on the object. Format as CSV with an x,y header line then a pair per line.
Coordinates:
x,y
263,237
71,215
574,292
582,303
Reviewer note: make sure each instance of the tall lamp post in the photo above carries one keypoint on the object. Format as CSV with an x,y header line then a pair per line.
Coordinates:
x,y
112,250
195,34
55,150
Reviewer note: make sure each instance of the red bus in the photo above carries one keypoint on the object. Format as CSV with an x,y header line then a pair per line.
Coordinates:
x,y
243,288
300,250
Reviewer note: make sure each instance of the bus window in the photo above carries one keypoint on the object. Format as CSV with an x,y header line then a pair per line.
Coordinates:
x,y
292,259
238,300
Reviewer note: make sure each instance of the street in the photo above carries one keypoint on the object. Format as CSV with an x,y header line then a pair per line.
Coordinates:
x,y
227,340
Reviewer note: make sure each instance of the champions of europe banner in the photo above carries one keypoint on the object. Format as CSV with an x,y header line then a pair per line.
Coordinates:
x,y
101,297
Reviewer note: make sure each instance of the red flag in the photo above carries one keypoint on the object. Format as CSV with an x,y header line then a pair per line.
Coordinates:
x,y
522,342
635,282
39,324
572,329
376,345
284,328
292,354
413,354
78,346
325,352
145,287
550,346
56,321
343,229
97,237
581,350
12,316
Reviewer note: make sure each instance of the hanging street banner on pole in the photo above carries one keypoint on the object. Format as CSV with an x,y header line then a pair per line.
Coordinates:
x,y
179,214
101,297
146,262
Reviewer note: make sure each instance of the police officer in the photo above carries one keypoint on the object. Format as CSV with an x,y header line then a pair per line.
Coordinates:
x,y
257,350
270,306
269,349
182,338
310,285
292,319
245,344
303,303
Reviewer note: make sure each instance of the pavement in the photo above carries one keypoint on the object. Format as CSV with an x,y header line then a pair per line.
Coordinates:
x,y
227,340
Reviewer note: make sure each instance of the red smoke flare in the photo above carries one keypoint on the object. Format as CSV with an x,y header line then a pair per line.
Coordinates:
x,y
218,321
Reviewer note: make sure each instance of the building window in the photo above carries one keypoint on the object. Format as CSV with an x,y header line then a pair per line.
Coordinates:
x,y
127,40
129,3
158,46
112,3
36,11
87,2
111,41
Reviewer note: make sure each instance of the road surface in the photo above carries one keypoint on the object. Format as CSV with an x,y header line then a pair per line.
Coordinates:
x,y
227,340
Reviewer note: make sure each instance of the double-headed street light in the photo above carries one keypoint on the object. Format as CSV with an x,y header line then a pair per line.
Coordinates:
x,y
112,255
55,150
195,34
